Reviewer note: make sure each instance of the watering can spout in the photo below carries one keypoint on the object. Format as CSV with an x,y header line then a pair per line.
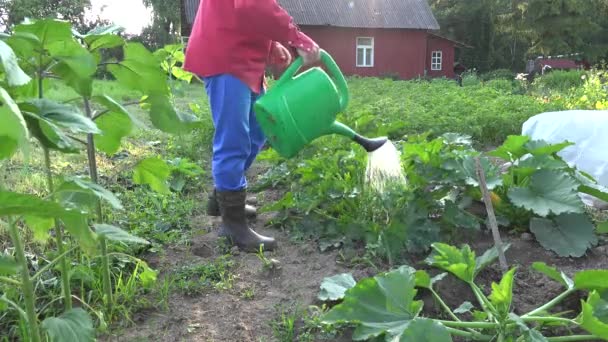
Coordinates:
x,y
370,145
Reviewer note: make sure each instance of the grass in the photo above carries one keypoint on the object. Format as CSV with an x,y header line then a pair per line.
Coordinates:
x,y
196,279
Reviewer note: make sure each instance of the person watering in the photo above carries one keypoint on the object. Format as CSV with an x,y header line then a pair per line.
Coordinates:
x,y
231,43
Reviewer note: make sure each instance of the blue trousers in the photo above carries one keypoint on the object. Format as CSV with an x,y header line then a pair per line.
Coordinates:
x,y
238,138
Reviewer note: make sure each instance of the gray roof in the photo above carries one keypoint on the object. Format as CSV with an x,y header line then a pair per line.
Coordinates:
x,y
405,14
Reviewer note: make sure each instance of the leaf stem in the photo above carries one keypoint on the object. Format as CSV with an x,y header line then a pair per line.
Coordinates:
x,y
103,112
471,335
105,260
63,262
445,307
573,338
473,325
548,319
10,281
15,306
485,303
550,304
26,282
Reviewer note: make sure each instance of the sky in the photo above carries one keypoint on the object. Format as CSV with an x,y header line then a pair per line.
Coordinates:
x,y
130,14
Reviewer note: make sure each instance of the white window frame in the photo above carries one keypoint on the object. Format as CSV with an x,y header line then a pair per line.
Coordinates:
x,y
365,63
437,60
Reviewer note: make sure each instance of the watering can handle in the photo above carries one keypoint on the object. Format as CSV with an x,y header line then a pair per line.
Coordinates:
x,y
334,72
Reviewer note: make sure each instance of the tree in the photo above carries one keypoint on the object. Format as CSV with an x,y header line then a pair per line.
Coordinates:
x,y
15,11
165,25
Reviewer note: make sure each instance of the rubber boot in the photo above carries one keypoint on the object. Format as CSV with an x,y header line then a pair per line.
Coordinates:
x,y
234,223
213,207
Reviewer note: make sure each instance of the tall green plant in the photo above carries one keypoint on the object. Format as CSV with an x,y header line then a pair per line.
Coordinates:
x,y
47,49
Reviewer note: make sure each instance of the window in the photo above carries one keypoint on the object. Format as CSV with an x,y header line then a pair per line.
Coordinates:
x,y
436,59
365,52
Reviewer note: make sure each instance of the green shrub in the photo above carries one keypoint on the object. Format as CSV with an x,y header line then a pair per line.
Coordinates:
x,y
498,74
558,80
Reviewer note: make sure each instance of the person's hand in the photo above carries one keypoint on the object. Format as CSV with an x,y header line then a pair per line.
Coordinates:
x,y
310,57
279,55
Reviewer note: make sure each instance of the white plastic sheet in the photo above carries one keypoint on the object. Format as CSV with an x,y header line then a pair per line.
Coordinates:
x,y
587,129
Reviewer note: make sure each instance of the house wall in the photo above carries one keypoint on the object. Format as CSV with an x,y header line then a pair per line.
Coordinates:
x,y
448,51
396,51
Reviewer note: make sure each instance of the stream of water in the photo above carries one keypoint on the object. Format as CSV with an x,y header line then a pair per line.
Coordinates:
x,y
384,167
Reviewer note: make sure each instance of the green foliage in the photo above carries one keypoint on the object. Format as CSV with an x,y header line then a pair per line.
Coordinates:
x,y
72,326
334,288
43,49
386,305
193,280
382,304
153,172
560,81
506,33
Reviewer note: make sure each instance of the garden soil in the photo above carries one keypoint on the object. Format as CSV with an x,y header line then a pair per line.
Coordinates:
x,y
228,316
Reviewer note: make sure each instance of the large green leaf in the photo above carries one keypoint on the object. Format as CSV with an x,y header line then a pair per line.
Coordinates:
x,y
165,117
103,41
154,172
116,234
8,265
460,263
72,326
47,120
527,167
512,149
468,170
140,70
116,124
50,135
75,65
502,293
40,226
540,147
47,31
79,228
550,191
334,288
553,273
566,234
457,217
591,280
488,257
380,305
82,193
14,74
13,130
15,204
425,330
63,115
594,319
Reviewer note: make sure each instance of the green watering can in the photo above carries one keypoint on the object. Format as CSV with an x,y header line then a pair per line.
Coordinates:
x,y
297,110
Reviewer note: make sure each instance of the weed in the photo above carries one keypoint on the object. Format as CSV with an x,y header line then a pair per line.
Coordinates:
x,y
193,280
248,293
296,324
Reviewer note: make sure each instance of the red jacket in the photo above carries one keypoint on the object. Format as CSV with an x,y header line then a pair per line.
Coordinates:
x,y
235,37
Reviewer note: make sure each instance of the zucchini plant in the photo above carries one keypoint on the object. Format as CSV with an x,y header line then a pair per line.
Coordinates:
x,y
386,306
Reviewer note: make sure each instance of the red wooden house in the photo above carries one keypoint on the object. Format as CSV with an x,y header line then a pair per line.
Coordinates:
x,y
371,37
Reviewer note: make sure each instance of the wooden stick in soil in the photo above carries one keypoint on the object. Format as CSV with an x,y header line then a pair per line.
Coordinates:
x,y
491,216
